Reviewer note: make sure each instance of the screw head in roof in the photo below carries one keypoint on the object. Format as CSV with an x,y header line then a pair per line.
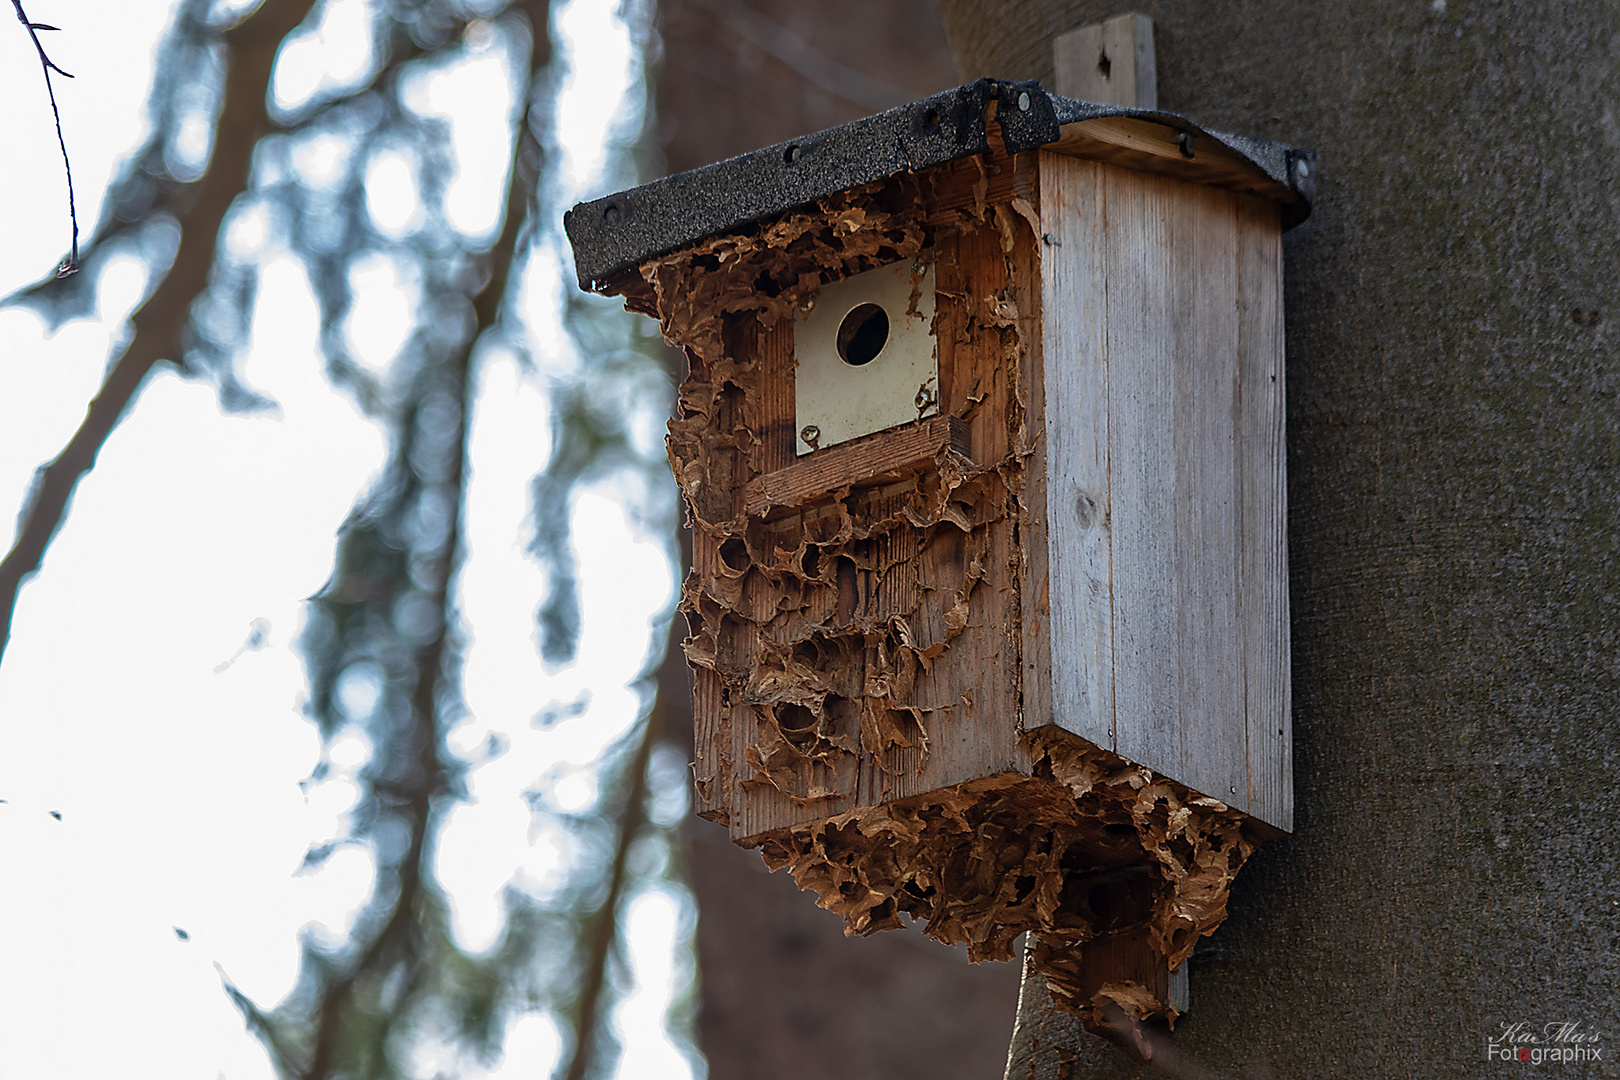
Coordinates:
x,y
1023,102
1303,167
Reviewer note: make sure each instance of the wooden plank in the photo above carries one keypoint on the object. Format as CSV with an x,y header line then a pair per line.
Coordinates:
x,y
959,191
1154,148
1203,287
1264,515
860,461
1037,643
1078,663
711,736
1110,62
1141,267
773,402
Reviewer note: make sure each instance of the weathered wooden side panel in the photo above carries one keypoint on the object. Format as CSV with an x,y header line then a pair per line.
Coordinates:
x,y
1264,516
1076,659
1165,519
1139,277
1204,312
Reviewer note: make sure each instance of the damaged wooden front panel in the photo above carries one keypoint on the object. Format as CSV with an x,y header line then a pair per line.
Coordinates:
x,y
903,679
1165,563
856,639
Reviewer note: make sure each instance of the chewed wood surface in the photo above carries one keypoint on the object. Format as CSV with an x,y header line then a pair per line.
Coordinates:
x,y
859,462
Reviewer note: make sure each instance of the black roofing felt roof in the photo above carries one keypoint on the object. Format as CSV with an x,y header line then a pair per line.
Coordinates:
x,y
620,231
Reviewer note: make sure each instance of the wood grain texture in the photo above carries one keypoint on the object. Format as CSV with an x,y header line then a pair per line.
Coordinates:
x,y
959,191
1204,312
861,461
892,582
1164,506
1140,271
971,693
1110,62
772,348
1263,517
711,738
1154,148
1035,566
1077,660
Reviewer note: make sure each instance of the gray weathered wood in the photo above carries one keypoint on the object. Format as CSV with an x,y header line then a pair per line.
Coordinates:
x,y
1264,516
1162,378
1079,652
1213,732
1110,62
1141,270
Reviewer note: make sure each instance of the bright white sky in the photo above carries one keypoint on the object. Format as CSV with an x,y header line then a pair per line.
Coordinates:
x,y
134,699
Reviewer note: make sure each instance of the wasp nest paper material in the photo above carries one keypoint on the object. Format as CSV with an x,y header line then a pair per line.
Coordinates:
x,y
1089,846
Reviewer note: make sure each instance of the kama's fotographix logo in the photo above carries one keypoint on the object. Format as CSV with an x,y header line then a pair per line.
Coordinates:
x,y
1560,1042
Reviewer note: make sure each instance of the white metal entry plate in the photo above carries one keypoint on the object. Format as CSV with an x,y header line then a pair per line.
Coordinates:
x,y
859,371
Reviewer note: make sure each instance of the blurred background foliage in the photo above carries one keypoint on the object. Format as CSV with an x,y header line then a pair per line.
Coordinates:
x,y
360,168
359,178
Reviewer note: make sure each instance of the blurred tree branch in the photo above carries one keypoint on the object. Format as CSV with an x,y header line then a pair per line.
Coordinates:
x,y
398,945
601,929
398,972
157,327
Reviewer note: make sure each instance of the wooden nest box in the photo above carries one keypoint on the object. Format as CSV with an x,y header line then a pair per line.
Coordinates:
x,y
982,450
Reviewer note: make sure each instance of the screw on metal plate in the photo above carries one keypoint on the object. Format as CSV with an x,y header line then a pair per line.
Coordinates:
x,y
1186,144
811,436
1023,102
927,398
1302,167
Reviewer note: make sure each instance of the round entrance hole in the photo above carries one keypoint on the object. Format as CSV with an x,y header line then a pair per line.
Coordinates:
x,y
862,334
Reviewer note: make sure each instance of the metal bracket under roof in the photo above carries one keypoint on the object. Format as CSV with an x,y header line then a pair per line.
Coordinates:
x,y
618,232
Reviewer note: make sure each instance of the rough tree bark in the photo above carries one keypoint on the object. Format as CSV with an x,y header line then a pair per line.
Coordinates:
x,y
1453,363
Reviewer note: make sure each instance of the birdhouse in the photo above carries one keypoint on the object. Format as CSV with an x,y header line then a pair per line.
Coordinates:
x,y
981,446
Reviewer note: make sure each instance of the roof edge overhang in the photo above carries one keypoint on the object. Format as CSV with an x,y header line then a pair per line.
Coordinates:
x,y
618,232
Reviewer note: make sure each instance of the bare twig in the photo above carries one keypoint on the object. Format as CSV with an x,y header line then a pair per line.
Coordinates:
x,y
47,65
157,327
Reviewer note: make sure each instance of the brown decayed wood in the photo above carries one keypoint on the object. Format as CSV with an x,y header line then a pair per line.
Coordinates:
x,y
859,462
822,600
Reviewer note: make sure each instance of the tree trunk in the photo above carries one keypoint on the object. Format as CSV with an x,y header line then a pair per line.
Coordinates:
x,y
1454,360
